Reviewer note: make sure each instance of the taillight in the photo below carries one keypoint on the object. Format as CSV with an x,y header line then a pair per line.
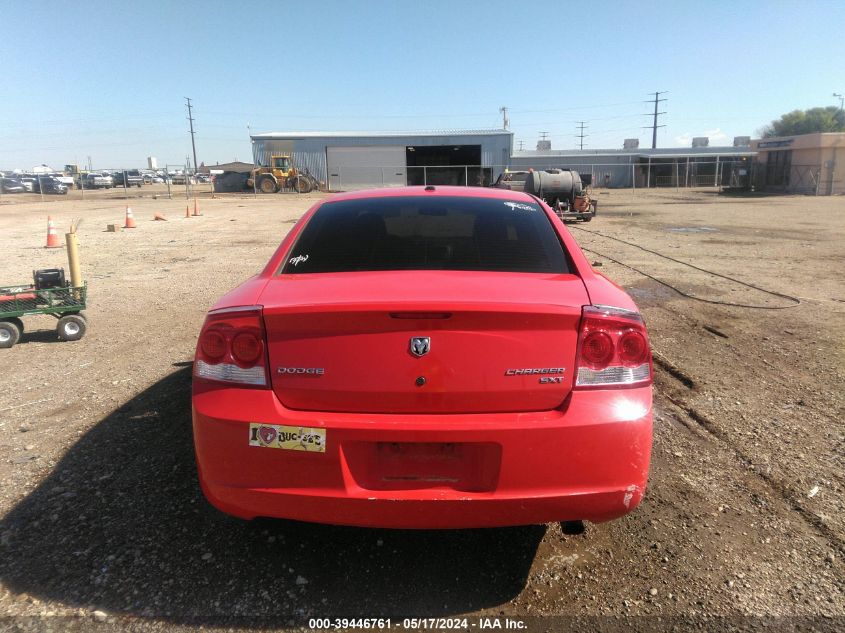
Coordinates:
x,y
231,347
613,349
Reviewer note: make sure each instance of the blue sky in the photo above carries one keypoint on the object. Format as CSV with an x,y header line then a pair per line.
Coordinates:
x,y
107,80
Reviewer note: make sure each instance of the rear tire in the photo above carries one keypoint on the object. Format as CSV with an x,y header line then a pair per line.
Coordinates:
x,y
302,185
267,185
9,333
71,327
17,322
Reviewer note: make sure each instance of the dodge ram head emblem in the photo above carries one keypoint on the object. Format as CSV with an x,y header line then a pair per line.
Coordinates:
x,y
420,345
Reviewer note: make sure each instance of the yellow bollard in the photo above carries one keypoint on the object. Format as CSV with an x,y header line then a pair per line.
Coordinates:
x,y
73,259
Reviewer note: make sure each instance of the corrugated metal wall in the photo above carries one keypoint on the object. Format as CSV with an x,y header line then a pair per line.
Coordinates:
x,y
309,153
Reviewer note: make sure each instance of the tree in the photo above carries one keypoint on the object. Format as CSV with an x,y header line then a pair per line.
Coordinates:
x,y
829,119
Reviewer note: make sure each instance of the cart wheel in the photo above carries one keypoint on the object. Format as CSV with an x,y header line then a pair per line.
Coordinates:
x,y
9,333
17,322
71,327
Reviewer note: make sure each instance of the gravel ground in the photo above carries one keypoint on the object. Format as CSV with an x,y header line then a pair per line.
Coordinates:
x,y
103,523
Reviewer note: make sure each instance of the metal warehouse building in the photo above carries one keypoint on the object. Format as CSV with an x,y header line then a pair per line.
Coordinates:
x,y
662,167
358,160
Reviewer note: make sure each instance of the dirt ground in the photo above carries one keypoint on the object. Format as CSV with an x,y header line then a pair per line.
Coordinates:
x,y
744,515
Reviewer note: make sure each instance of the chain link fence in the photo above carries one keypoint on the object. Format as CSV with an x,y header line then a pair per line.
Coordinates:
x,y
638,175
176,182
788,178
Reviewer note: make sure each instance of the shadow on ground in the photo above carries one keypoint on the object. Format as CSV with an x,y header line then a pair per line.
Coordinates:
x,y
39,336
121,525
744,193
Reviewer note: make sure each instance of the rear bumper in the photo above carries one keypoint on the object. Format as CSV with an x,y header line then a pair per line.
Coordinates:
x,y
588,460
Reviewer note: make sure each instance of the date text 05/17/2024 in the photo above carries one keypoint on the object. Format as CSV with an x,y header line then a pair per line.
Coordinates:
x,y
418,624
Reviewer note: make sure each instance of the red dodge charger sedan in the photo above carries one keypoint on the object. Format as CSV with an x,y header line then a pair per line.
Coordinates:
x,y
438,357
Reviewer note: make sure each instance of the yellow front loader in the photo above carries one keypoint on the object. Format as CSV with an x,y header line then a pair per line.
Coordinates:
x,y
281,174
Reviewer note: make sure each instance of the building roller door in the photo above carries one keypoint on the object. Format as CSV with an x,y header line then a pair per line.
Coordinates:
x,y
365,167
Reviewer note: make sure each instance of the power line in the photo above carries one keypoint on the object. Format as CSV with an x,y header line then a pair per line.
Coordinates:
x,y
581,135
654,125
191,121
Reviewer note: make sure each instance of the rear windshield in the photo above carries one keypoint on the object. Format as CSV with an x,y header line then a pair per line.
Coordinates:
x,y
436,233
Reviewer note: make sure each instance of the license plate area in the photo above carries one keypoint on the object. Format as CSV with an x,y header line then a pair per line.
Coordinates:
x,y
463,466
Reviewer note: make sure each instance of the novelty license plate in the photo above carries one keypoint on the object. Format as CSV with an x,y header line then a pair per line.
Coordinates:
x,y
291,438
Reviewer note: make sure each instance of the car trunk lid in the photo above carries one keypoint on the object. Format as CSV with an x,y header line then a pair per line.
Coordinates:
x,y
422,341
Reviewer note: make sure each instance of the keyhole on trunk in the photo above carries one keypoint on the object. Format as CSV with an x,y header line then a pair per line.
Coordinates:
x,y
420,381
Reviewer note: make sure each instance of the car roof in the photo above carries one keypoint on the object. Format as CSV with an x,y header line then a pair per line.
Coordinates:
x,y
435,191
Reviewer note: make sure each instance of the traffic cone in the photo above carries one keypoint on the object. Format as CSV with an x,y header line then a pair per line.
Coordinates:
x,y
130,219
187,211
196,208
160,217
52,236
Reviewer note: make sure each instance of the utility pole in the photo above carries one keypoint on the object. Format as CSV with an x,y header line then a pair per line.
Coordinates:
x,y
654,126
505,121
841,101
581,135
191,121
521,143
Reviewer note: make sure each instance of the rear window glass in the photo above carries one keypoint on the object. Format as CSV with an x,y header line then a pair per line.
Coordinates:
x,y
436,233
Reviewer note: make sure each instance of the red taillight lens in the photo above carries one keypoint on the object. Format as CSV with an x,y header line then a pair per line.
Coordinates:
x,y
246,348
613,349
231,348
213,345
633,348
597,350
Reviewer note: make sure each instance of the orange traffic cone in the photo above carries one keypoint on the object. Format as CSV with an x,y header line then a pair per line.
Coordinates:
x,y
187,211
130,219
52,236
196,208
160,217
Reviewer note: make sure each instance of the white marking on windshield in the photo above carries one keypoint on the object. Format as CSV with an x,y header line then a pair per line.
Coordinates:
x,y
519,205
298,259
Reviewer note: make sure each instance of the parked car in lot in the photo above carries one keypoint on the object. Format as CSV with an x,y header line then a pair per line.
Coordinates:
x,y
94,180
12,185
129,178
28,182
49,184
438,357
67,181
179,179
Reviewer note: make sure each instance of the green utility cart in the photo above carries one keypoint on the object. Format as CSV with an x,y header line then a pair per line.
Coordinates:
x,y
49,294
